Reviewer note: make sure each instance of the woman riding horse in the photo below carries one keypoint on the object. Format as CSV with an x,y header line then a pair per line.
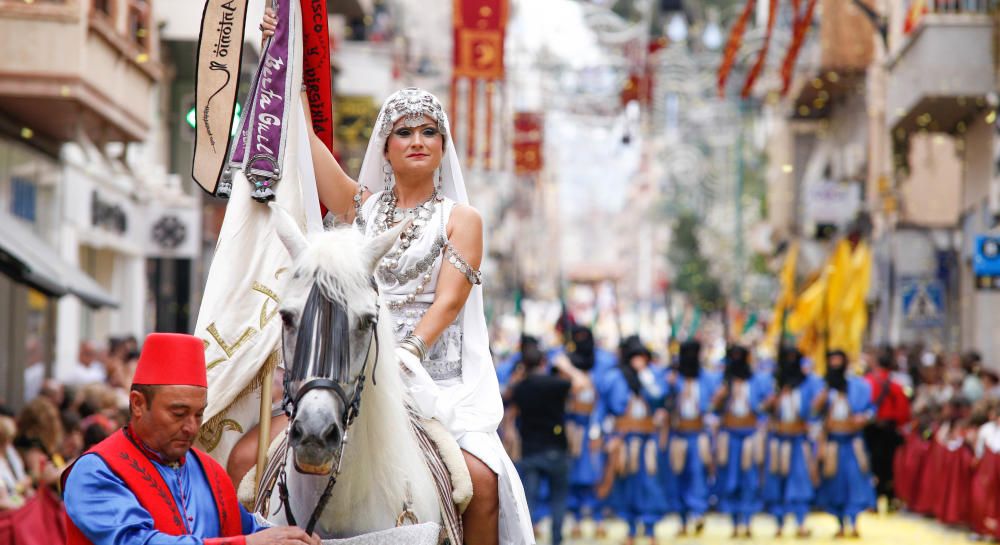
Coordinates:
x,y
431,283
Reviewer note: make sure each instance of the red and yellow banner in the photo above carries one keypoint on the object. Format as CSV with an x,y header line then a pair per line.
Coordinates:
x,y
758,65
479,28
799,30
528,142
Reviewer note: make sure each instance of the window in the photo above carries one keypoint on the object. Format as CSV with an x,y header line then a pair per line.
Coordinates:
x,y
138,22
24,196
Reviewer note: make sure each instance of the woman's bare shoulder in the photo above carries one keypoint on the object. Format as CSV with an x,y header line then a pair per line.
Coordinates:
x,y
466,217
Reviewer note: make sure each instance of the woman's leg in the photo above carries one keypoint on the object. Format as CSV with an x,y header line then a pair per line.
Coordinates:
x,y
481,520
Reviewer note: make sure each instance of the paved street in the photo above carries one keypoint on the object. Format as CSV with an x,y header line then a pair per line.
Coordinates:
x,y
896,529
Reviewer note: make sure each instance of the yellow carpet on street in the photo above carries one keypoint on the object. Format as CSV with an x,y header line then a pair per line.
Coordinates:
x,y
895,529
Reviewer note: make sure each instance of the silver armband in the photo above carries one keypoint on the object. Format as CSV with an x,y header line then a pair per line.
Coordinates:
x,y
473,276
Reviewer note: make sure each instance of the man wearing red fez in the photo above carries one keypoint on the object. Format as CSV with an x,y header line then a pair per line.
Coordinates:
x,y
146,484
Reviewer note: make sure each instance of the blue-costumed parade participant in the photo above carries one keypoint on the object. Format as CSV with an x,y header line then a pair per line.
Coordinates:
x,y
740,445
790,473
846,406
584,414
146,484
634,392
689,449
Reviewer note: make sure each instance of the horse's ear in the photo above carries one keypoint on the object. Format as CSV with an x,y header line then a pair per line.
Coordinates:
x,y
380,245
288,231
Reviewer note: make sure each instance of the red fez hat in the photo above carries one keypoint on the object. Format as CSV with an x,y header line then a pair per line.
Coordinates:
x,y
171,359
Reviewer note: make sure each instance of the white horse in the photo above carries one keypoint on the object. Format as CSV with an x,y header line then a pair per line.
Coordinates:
x,y
331,299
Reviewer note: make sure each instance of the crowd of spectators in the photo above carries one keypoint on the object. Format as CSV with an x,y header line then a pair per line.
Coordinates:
x,y
62,419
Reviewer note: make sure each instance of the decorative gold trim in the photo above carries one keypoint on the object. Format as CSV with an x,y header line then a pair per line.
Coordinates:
x,y
216,421
248,334
210,435
266,316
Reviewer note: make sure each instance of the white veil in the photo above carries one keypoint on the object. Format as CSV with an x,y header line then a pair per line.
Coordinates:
x,y
478,406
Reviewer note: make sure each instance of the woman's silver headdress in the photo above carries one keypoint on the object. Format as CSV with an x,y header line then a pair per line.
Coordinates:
x,y
411,104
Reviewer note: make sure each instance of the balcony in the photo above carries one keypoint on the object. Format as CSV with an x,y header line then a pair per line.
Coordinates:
x,y
78,65
834,63
941,66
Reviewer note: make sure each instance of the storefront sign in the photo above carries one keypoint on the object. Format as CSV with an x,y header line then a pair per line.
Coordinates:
x,y
171,232
107,215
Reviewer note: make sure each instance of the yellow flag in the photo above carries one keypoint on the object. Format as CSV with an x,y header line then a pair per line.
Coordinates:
x,y
786,296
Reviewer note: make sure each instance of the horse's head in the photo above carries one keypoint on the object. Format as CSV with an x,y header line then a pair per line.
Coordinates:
x,y
329,339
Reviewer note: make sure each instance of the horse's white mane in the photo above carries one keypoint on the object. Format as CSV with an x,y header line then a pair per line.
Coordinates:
x,y
379,454
337,258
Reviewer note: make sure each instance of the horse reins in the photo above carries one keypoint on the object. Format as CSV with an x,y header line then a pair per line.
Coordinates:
x,y
351,411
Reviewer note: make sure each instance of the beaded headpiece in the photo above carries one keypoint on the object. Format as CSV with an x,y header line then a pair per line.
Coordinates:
x,y
411,104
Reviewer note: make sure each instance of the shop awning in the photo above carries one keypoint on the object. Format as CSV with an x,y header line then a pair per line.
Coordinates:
x,y
26,258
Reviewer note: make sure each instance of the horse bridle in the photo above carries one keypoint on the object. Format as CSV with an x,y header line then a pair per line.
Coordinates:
x,y
352,407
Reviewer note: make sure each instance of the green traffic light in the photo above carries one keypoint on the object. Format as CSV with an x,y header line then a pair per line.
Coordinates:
x,y
192,119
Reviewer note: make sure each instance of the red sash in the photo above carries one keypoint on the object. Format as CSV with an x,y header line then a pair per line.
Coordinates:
x,y
140,476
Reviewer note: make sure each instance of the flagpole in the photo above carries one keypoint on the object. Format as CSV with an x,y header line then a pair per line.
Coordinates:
x,y
264,428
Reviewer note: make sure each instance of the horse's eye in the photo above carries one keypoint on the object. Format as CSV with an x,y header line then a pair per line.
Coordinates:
x,y
287,318
369,321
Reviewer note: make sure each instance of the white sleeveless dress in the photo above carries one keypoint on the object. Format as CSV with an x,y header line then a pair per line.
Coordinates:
x,y
407,284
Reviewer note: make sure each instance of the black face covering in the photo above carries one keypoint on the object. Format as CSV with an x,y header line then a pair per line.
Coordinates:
x,y
582,355
630,348
836,377
737,363
689,360
790,368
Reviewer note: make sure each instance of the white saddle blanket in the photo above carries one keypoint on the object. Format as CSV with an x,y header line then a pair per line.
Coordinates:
x,y
417,534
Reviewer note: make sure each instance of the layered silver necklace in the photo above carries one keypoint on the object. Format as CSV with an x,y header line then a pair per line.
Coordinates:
x,y
389,214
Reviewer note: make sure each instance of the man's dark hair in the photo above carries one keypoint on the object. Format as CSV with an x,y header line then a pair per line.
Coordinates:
x,y
532,358
147,391
94,434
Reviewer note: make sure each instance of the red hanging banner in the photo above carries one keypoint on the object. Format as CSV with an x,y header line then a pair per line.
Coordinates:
x,y
733,46
479,37
758,65
478,55
316,72
799,32
528,142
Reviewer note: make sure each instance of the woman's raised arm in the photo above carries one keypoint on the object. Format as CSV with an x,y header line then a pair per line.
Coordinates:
x,y
336,189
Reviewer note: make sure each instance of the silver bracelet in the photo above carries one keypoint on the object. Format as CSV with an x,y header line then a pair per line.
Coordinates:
x,y
415,345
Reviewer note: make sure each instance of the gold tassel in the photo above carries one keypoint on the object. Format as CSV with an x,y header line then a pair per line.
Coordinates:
x,y
774,452
830,453
723,448
786,458
634,448
746,452
862,454
650,457
705,450
574,438
759,444
678,454
810,463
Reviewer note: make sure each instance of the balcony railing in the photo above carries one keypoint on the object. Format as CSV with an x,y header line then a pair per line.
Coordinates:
x,y
942,65
95,73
